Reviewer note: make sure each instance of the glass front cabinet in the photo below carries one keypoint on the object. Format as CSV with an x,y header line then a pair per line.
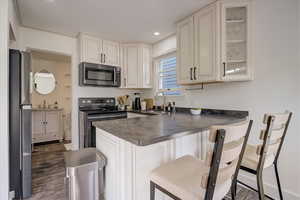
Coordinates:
x,y
214,44
236,41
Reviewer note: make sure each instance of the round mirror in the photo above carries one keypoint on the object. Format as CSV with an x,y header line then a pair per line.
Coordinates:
x,y
44,82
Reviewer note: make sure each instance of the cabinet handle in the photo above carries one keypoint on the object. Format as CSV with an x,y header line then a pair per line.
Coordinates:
x,y
104,57
224,66
124,82
191,73
101,60
195,77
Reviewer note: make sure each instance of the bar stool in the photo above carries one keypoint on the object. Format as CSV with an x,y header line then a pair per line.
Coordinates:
x,y
188,178
257,158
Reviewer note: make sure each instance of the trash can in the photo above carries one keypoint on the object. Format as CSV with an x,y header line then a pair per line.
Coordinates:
x,y
84,174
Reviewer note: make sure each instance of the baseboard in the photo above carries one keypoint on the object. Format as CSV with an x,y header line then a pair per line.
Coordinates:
x,y
271,190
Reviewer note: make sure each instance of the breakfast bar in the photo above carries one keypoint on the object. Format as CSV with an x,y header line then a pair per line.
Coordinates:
x,y
135,146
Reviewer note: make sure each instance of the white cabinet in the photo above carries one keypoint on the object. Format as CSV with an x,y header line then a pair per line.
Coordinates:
x,y
205,45
236,40
185,46
215,44
96,50
146,80
46,125
130,66
90,49
111,53
136,66
38,125
196,38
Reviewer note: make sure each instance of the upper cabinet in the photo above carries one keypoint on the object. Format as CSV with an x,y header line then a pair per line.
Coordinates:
x,y
135,60
236,40
111,53
136,66
205,45
95,50
214,44
185,47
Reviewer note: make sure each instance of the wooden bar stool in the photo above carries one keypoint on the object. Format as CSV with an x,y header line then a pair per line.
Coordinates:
x,y
257,158
188,178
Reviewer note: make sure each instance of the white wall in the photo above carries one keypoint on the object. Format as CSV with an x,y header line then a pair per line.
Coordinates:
x,y
4,99
276,86
164,46
40,40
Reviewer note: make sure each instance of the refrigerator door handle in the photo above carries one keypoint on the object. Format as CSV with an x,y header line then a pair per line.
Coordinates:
x,y
25,78
27,107
26,154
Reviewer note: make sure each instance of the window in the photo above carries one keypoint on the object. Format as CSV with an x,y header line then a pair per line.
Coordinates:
x,y
167,81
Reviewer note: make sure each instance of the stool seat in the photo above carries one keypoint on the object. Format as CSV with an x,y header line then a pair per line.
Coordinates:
x,y
182,177
251,159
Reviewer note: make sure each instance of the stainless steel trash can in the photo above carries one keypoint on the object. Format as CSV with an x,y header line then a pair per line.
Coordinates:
x,y
84,174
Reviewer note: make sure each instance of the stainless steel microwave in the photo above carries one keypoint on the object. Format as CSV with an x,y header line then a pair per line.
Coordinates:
x,y
99,75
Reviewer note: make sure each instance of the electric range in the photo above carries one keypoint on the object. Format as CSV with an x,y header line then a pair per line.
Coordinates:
x,y
95,109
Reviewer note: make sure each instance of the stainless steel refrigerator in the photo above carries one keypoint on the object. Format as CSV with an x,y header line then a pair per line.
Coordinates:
x,y
20,123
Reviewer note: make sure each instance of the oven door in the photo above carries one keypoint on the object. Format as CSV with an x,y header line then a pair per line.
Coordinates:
x,y
88,135
99,75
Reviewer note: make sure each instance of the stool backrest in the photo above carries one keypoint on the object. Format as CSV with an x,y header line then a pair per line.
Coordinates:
x,y
226,156
272,136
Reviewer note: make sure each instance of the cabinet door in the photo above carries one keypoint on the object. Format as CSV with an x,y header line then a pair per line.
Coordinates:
x,y
111,53
146,67
131,59
205,45
53,125
91,49
185,51
236,40
38,126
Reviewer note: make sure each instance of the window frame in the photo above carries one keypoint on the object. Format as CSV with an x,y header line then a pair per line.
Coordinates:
x,y
158,91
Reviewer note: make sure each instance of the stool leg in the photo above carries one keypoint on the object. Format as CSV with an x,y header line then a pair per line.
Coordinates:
x,y
152,191
278,181
260,186
233,189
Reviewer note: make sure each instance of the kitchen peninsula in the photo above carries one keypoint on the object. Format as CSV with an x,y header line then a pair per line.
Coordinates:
x,y
135,146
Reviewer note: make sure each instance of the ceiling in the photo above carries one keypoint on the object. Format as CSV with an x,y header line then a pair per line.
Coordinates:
x,y
120,20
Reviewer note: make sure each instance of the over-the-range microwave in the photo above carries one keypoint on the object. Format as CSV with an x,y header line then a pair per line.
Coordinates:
x,y
99,75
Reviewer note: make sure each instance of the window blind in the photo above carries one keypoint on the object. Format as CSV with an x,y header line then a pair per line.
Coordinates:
x,y
167,76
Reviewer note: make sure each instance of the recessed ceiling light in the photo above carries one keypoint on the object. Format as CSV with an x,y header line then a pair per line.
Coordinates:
x,y
156,33
50,1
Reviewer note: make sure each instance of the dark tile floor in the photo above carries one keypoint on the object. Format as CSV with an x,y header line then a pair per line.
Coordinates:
x,y
48,175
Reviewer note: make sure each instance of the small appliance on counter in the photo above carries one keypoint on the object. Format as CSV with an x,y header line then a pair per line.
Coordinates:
x,y
149,103
137,101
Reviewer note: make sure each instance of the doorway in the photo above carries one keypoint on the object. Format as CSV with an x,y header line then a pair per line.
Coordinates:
x,y
51,98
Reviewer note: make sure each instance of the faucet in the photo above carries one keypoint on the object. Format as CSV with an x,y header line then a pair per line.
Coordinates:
x,y
44,104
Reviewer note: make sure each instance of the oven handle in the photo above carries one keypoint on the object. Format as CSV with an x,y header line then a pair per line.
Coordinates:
x,y
115,76
105,116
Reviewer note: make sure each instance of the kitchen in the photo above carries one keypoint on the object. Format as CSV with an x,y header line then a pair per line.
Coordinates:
x,y
264,87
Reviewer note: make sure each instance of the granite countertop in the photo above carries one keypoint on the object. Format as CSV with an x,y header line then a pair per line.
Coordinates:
x,y
157,128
